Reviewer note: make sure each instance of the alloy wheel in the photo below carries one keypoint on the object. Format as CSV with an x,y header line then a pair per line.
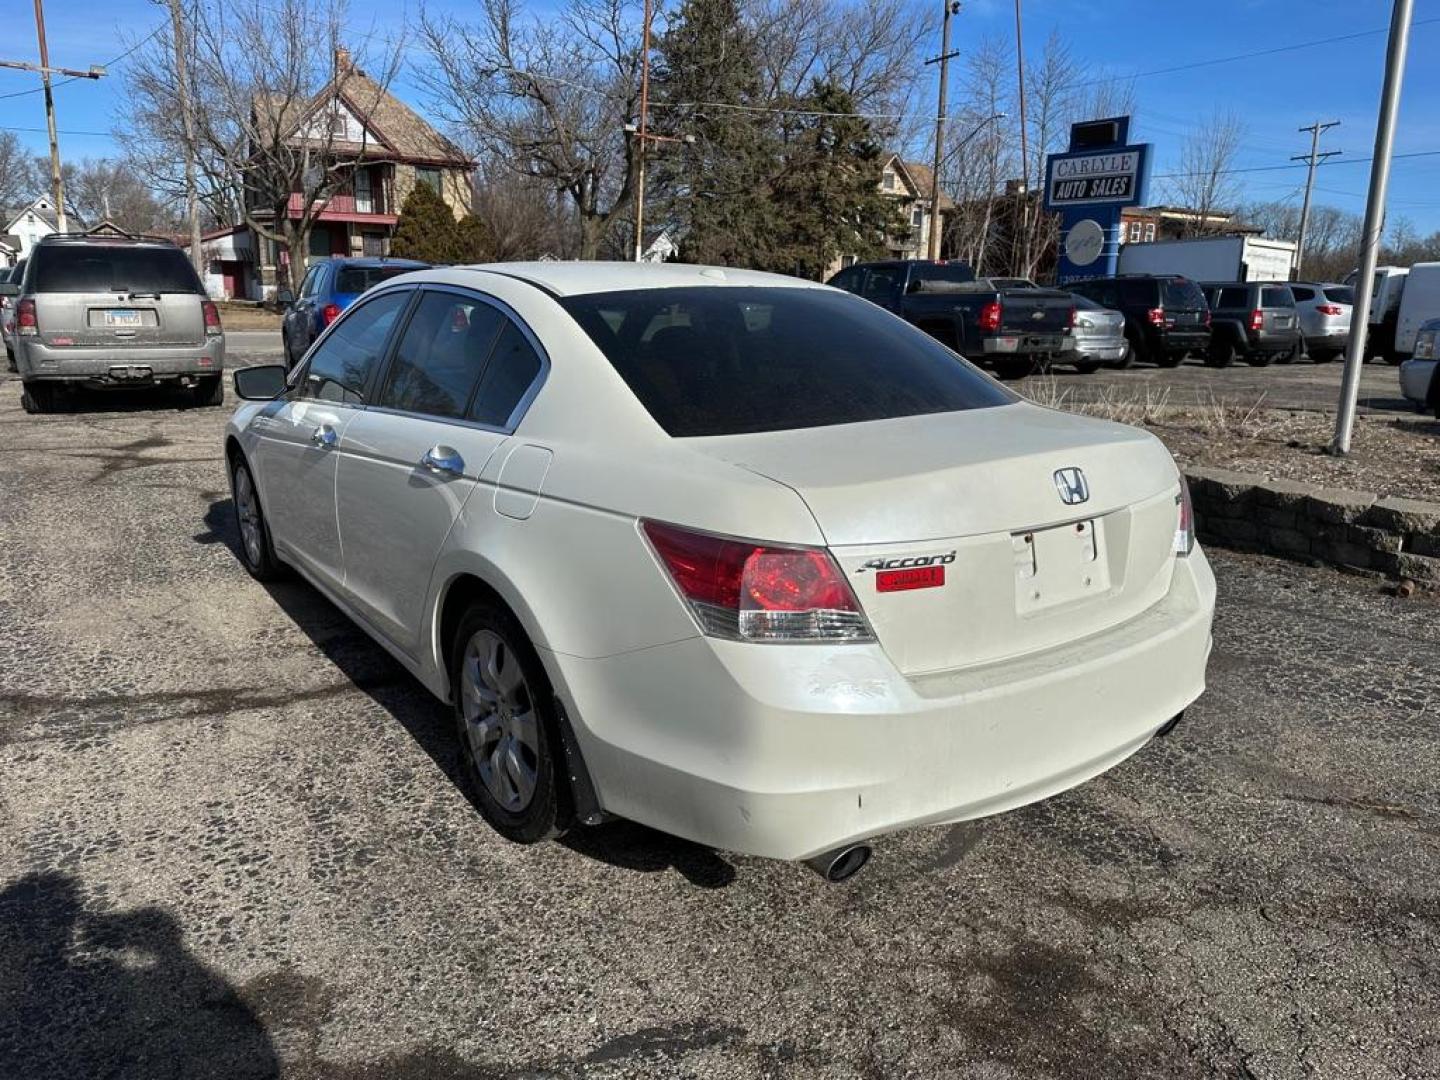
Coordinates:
x,y
501,724
247,509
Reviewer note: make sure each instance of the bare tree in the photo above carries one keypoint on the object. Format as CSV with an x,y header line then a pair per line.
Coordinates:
x,y
18,181
271,81
1205,182
548,98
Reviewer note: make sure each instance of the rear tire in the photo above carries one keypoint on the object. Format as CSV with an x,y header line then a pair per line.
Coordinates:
x,y
1221,354
257,554
504,710
1010,368
210,390
37,397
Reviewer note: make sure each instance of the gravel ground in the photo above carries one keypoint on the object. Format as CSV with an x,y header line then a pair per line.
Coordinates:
x,y
232,845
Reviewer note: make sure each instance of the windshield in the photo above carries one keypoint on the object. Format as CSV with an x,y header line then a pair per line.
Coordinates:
x,y
81,268
728,361
356,279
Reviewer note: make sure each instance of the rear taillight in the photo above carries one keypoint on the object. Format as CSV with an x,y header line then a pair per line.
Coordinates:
x,y
329,313
212,318
25,318
1156,315
1185,529
748,591
1257,319
991,316
1329,309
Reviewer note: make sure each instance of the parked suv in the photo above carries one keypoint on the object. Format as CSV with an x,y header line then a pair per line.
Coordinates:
x,y
1252,321
1324,314
113,311
1165,315
328,289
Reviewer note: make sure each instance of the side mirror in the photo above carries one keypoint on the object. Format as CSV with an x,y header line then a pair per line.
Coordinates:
x,y
9,289
263,383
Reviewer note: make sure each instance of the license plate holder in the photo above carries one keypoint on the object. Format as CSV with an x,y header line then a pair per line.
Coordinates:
x,y
1059,565
123,318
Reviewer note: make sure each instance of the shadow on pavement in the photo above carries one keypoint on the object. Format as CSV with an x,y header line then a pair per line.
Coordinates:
x,y
86,992
621,844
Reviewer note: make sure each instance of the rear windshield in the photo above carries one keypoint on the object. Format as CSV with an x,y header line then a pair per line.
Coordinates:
x,y
82,268
356,279
1276,297
1183,295
1340,294
727,361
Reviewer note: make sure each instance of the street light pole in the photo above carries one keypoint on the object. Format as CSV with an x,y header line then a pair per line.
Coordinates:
x,y
1374,223
1313,158
57,183
952,7
642,137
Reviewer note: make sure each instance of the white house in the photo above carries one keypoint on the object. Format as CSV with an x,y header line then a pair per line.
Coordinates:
x,y
28,224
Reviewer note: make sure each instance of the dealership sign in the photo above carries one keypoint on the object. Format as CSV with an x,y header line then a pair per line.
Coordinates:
x,y
1094,178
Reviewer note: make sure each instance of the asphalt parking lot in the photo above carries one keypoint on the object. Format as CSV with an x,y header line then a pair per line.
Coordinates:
x,y
232,845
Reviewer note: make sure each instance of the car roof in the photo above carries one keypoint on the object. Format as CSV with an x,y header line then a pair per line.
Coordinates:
x,y
582,278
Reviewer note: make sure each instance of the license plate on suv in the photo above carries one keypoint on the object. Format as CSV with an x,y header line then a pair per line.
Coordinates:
x,y
122,317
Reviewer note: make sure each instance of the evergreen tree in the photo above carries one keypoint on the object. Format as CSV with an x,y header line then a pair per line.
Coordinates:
x,y
427,230
828,194
718,188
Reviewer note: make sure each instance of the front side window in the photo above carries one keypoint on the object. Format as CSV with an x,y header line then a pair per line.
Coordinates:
x,y
440,355
772,359
340,366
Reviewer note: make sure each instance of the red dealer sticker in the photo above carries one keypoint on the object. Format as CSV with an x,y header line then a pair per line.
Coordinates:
x,y
917,577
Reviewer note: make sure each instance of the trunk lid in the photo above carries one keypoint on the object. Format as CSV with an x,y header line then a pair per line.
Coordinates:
x,y
976,494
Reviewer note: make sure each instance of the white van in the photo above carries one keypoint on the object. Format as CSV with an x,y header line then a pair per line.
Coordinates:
x,y
1419,303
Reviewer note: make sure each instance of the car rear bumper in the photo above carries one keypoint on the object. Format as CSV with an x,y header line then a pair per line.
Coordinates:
x,y
788,751
1026,344
117,365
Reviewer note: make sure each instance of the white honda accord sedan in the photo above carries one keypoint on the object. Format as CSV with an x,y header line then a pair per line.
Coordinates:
x,y
741,557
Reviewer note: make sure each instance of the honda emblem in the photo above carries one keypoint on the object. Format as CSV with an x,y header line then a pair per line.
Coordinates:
x,y
1071,485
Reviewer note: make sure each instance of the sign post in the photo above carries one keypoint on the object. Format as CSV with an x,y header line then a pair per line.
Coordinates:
x,y
1088,185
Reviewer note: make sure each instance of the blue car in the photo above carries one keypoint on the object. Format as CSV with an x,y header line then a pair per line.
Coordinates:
x,y
328,289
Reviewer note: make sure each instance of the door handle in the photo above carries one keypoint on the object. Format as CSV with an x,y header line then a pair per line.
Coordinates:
x,y
442,459
324,436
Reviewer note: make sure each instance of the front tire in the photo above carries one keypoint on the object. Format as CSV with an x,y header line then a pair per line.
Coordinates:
x,y
505,719
256,552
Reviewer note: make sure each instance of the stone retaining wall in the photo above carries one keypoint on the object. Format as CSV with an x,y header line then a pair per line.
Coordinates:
x,y
1352,529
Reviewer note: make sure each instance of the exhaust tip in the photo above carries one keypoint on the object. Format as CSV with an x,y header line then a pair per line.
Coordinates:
x,y
842,863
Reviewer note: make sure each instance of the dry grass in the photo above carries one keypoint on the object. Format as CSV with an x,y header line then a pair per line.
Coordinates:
x,y
1151,407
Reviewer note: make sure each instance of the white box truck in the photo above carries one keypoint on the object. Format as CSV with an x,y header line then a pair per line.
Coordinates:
x,y
1212,258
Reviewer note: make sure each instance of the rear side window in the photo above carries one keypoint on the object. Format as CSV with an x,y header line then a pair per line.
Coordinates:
x,y
1183,295
513,366
1276,297
81,268
1340,294
1234,297
340,366
440,356
356,279
773,359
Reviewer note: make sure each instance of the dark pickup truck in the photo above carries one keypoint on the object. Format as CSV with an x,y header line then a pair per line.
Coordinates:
x,y
1015,329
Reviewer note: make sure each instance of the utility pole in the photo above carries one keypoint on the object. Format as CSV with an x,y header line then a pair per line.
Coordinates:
x,y
643,137
1374,223
187,118
1313,158
1024,269
952,7
57,184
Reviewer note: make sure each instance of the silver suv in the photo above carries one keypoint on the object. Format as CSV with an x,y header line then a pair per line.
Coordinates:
x,y
112,311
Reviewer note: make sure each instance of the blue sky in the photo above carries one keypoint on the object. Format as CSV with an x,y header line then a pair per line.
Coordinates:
x,y
1274,94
